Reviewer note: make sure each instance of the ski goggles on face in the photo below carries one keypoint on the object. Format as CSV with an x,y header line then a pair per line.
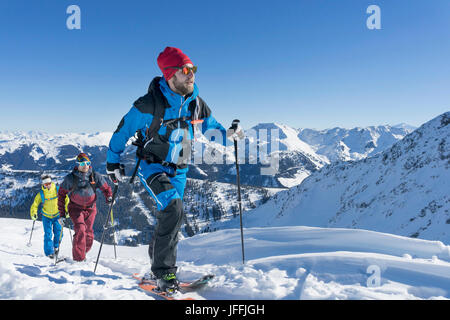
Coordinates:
x,y
84,163
185,70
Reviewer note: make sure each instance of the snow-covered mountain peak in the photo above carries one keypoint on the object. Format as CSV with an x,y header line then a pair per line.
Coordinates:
x,y
403,190
35,150
12,140
288,140
338,144
404,126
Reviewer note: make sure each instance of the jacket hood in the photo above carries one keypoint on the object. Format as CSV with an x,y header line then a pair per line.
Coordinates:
x,y
154,85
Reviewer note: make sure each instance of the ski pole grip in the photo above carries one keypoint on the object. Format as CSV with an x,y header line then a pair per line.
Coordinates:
x,y
235,124
135,170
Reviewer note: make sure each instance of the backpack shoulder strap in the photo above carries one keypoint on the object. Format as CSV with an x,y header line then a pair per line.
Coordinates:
x,y
157,121
41,192
74,183
199,109
155,104
92,181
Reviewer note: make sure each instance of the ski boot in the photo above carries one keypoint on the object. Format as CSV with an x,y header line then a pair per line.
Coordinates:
x,y
168,283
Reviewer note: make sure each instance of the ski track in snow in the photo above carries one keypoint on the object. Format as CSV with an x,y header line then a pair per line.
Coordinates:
x,y
281,263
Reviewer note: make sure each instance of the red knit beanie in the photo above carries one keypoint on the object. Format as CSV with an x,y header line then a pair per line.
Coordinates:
x,y
172,57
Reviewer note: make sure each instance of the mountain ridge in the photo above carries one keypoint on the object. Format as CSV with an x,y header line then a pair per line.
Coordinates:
x,y
402,190
298,156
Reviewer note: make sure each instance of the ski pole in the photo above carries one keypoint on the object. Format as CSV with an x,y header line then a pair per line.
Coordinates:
x,y
32,228
59,244
70,234
138,142
234,126
115,252
135,170
105,226
114,234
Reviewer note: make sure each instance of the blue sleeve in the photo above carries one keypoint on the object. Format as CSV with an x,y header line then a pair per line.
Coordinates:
x,y
211,123
130,123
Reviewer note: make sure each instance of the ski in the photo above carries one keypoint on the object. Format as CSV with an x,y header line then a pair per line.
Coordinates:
x,y
184,287
59,260
197,284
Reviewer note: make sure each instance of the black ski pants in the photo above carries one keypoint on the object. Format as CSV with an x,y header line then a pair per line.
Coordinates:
x,y
168,193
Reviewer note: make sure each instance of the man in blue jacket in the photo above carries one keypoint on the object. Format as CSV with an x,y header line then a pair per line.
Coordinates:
x,y
166,119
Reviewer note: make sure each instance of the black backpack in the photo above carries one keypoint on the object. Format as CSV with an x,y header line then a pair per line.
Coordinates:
x,y
92,183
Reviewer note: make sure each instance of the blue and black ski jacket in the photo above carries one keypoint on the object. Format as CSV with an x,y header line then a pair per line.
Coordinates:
x,y
172,143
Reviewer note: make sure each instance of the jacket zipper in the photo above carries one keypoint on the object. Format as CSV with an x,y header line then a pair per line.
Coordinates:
x,y
178,132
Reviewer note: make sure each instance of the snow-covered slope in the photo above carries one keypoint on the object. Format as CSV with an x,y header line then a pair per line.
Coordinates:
x,y
282,263
403,190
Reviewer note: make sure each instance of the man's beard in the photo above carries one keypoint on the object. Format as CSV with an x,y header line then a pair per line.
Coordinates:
x,y
183,88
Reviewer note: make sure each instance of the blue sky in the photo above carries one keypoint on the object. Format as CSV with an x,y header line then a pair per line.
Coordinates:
x,y
308,64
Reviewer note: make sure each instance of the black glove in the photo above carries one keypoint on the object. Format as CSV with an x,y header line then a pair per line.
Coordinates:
x,y
144,152
115,171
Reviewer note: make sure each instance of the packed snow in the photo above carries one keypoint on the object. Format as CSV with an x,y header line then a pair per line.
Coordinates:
x,y
291,262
